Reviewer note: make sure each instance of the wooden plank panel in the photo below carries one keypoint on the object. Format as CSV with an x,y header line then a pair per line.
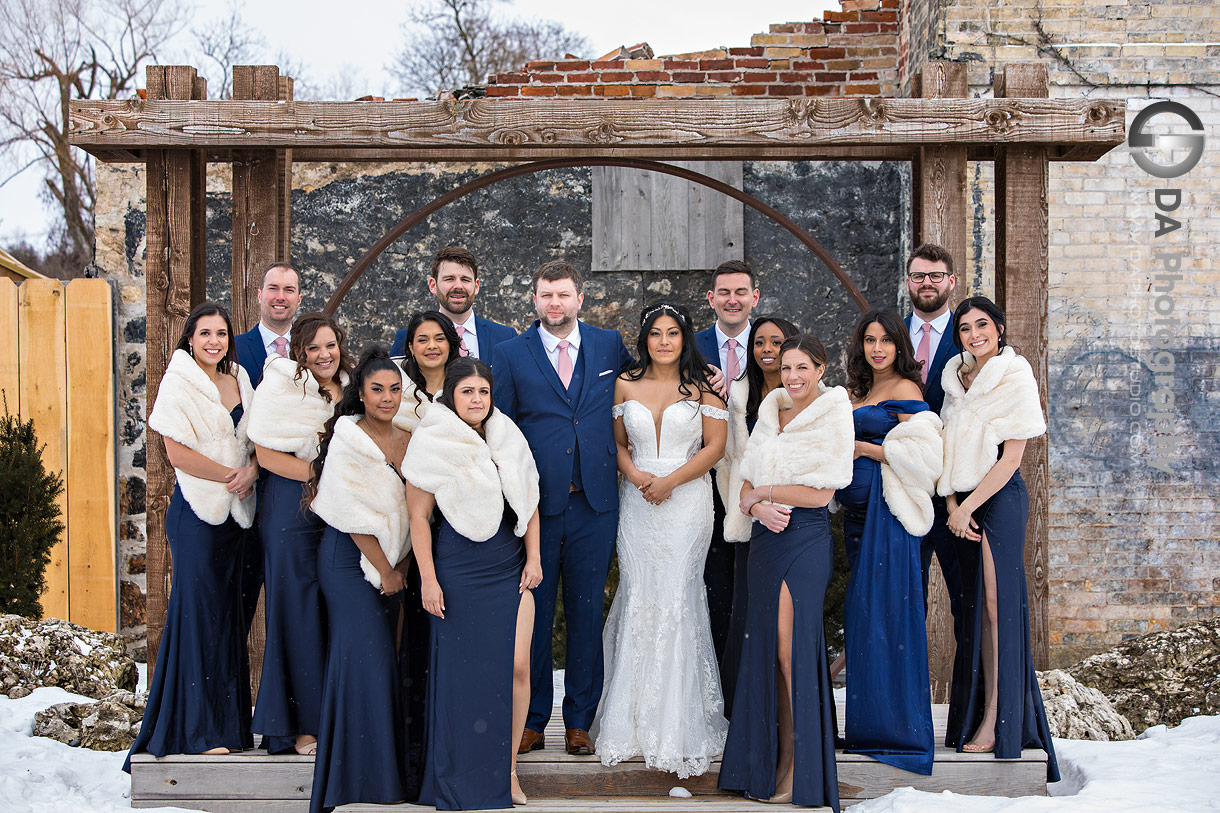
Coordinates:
x,y
43,384
9,347
1022,278
940,200
92,600
635,223
715,227
592,126
607,212
669,222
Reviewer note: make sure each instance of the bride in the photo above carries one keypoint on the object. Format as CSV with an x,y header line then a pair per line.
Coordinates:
x,y
661,696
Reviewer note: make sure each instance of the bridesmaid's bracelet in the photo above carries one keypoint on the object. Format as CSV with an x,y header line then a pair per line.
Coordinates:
x,y
770,489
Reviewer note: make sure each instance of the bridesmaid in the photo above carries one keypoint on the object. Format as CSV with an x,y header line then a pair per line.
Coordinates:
x,y
761,376
358,490
474,465
888,509
199,696
292,404
991,409
431,343
780,746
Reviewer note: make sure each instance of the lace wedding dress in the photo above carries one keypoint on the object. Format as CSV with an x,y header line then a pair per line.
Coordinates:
x,y
661,697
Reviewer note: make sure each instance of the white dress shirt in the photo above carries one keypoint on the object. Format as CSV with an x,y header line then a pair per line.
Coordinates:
x,y
722,345
550,343
939,325
269,336
470,339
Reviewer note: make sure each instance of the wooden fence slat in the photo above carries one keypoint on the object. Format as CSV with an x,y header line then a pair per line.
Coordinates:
x,y
9,344
91,441
44,399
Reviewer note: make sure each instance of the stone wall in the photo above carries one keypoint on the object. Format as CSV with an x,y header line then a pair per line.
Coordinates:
x,y
857,211
1135,536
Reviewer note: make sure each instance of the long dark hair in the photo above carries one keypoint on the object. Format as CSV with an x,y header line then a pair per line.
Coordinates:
x,y
860,372
410,366
692,372
304,329
992,310
754,373
461,368
209,308
373,360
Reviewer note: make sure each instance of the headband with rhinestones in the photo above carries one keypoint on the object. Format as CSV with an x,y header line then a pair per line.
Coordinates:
x,y
662,307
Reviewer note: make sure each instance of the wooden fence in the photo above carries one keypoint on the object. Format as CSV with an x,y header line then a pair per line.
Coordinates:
x,y
57,367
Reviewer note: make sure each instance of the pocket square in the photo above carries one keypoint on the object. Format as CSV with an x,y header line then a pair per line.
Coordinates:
x,y
604,372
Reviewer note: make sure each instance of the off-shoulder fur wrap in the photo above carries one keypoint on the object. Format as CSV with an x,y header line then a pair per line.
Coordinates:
x,y
1001,404
815,448
470,477
188,409
728,468
286,415
358,493
408,416
914,454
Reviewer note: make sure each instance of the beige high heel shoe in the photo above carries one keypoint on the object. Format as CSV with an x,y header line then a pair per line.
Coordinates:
x,y
518,795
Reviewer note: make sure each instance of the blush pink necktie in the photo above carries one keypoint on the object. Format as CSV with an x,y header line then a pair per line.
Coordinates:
x,y
924,350
565,364
461,332
732,366
281,346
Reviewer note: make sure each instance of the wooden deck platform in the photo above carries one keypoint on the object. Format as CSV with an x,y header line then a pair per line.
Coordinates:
x,y
558,783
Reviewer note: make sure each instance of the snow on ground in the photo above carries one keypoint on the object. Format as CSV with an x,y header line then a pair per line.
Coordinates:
x,y
1166,771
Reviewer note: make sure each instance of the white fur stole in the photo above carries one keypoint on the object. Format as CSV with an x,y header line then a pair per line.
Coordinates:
x,y
472,478
914,454
188,409
358,493
413,408
728,468
287,415
1001,404
814,449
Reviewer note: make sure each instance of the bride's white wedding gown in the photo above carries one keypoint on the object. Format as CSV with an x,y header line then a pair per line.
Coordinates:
x,y
661,697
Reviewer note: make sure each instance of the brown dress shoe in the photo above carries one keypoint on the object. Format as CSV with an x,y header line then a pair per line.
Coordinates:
x,y
578,742
531,740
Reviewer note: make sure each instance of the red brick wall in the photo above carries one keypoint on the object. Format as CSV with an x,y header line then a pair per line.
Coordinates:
x,y
853,52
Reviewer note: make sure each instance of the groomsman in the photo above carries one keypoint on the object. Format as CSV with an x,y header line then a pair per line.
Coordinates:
x,y
723,346
455,283
556,381
279,298
930,285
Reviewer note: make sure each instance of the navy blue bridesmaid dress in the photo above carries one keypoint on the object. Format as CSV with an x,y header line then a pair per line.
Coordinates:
x,y
290,691
362,737
803,556
889,703
730,661
1021,721
470,684
199,695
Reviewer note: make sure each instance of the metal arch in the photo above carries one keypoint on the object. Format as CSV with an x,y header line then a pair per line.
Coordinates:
x,y
561,163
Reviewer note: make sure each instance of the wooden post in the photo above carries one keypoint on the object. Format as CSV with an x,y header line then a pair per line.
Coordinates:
x,y
938,196
1021,279
174,283
262,215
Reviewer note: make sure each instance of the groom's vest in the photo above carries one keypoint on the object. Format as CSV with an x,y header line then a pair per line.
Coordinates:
x,y
574,388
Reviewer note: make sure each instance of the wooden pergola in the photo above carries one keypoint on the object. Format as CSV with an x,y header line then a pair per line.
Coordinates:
x,y
176,131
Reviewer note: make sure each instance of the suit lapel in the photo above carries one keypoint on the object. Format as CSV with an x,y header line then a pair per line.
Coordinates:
x,y
534,343
586,363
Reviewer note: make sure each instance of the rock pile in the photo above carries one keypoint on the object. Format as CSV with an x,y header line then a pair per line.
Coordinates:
x,y
58,653
111,724
1076,712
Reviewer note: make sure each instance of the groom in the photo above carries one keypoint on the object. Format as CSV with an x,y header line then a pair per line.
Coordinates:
x,y
556,381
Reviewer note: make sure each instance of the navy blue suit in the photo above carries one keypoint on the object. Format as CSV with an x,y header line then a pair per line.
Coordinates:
x,y
486,332
720,567
939,539
571,433
252,355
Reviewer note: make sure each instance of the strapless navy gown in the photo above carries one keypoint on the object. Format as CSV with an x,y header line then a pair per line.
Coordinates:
x,y
470,684
362,737
294,658
803,556
1022,718
889,703
199,694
